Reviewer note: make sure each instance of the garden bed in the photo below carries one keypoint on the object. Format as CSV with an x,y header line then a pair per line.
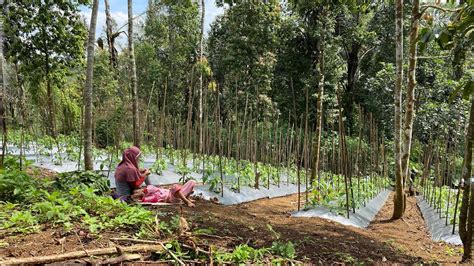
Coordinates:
x,y
437,227
246,194
361,218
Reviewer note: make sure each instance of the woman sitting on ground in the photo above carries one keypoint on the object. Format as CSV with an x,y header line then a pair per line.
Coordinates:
x,y
128,176
174,195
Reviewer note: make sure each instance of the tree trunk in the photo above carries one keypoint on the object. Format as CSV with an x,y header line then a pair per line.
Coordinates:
x,y
319,118
426,164
410,102
110,37
399,199
466,213
133,78
87,97
3,122
203,12
343,153
50,102
352,66
306,144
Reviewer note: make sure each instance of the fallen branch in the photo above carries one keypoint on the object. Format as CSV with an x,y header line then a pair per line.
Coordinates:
x,y
197,249
82,253
173,255
80,241
216,236
142,241
122,258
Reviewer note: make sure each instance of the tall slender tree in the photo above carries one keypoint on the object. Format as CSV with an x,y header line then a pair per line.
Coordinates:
x,y
319,115
399,199
201,40
133,78
3,122
88,90
410,101
466,211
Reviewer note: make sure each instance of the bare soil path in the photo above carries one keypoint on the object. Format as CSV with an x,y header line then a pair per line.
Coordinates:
x,y
261,222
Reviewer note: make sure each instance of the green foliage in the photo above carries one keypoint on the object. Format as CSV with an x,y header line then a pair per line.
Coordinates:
x,y
50,28
13,162
439,198
275,234
285,250
168,51
107,127
74,198
244,53
46,40
241,254
57,209
159,166
20,222
246,254
209,231
331,191
97,181
182,168
105,212
16,186
104,136
346,258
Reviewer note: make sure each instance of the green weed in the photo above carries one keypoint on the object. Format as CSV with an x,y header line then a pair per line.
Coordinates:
x,y
241,254
285,250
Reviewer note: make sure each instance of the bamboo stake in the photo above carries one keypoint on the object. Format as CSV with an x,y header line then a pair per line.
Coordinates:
x,y
255,153
359,146
279,156
343,154
290,152
298,162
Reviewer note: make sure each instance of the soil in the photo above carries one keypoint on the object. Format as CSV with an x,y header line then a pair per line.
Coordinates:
x,y
262,222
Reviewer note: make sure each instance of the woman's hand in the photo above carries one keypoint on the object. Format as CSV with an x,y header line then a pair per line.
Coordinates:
x,y
145,172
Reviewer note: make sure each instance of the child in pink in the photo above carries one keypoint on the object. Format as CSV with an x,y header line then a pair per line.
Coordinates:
x,y
174,195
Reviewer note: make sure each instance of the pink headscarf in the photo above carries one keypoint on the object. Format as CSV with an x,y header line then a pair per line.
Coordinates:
x,y
127,170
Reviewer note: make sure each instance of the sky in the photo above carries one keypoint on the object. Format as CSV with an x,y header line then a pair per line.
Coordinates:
x,y
118,10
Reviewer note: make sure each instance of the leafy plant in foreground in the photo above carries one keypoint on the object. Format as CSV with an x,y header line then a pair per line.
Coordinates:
x,y
16,186
241,254
21,222
97,181
285,250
